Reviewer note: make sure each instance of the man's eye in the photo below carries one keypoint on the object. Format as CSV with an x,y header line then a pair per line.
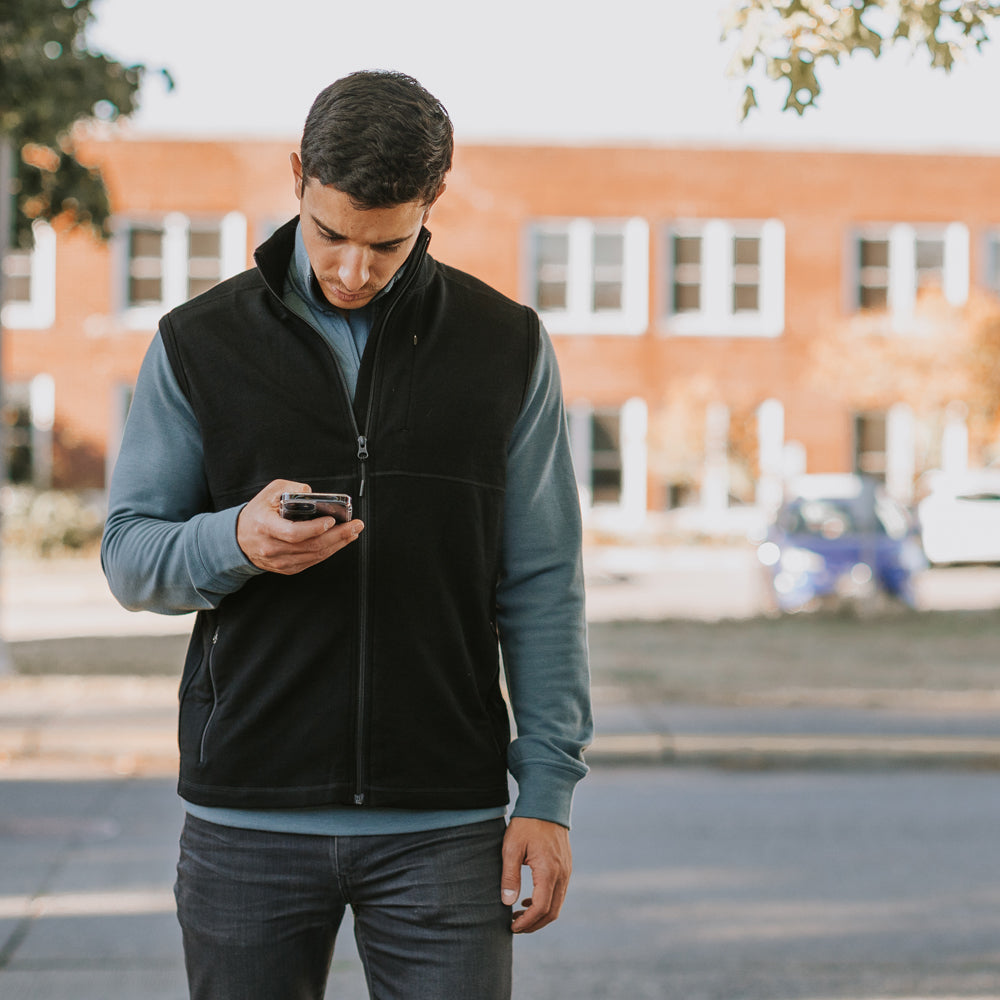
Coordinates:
x,y
388,248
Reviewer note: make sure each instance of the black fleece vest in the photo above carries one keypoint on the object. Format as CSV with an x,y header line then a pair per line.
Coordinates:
x,y
373,678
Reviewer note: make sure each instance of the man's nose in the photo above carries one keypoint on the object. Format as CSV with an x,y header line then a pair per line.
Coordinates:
x,y
353,269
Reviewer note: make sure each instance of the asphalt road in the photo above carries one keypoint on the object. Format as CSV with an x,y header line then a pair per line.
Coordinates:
x,y
716,885
689,884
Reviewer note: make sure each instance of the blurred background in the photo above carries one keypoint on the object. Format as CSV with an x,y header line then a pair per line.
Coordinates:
x,y
765,239
736,303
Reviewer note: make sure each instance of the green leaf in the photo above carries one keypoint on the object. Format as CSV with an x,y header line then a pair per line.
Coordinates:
x,y
51,80
790,37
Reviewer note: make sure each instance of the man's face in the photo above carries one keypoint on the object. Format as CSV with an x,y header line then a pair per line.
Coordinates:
x,y
354,252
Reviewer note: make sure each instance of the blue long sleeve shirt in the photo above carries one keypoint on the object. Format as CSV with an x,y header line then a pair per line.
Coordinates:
x,y
164,550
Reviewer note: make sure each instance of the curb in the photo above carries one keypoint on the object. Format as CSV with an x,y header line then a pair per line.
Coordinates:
x,y
62,727
33,752
756,752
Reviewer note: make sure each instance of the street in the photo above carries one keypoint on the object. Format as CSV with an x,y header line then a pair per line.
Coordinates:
x,y
689,883
723,885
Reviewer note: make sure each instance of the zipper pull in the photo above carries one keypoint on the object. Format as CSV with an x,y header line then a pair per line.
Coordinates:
x,y
362,447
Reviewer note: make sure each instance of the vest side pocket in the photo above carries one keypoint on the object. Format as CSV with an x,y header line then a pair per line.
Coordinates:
x,y
202,750
197,694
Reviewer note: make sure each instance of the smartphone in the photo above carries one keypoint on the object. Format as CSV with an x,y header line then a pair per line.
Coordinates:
x,y
306,506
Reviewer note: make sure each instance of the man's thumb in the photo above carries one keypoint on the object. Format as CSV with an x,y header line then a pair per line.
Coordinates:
x,y
510,885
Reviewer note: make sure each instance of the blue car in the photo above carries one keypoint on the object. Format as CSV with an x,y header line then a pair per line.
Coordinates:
x,y
831,546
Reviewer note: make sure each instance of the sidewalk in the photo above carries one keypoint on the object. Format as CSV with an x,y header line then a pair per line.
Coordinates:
x,y
70,728
65,726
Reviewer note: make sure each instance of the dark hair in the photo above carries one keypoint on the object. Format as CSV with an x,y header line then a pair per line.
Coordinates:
x,y
379,137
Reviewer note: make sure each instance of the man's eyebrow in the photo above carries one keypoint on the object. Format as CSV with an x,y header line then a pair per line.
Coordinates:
x,y
334,235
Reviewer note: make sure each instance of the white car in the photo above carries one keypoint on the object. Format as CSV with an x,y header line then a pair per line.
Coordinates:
x,y
960,517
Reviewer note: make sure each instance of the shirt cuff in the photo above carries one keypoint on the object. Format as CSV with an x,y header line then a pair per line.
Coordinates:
x,y
546,792
225,564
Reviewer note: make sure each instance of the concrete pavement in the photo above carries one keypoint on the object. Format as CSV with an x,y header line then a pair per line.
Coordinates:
x,y
66,728
69,597
99,725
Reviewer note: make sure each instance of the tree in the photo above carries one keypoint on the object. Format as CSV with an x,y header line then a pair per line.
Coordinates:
x,y
50,80
789,38
940,355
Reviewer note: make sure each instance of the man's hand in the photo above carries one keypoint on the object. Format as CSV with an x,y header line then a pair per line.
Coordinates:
x,y
279,546
544,848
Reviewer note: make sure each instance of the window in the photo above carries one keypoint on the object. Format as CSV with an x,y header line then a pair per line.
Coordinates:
x,y
870,444
145,266
609,272
746,274
205,262
167,261
725,278
28,417
590,276
17,276
873,273
610,457
687,273
17,432
596,439
552,272
929,263
29,283
893,265
605,456
993,263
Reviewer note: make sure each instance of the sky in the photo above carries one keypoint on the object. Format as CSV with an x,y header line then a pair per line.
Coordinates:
x,y
548,71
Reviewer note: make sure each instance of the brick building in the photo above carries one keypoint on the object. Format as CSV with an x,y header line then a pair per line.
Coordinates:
x,y
723,317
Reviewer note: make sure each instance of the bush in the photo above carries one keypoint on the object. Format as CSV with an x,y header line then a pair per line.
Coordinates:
x,y
51,522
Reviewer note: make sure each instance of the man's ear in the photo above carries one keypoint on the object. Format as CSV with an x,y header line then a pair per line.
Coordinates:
x,y
433,202
297,173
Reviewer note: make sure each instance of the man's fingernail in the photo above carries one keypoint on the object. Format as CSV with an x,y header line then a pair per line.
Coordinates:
x,y
509,895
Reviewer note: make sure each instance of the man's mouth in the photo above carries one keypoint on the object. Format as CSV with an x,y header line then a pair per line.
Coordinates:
x,y
339,295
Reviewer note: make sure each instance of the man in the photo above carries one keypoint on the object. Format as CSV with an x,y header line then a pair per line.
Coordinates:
x,y
344,738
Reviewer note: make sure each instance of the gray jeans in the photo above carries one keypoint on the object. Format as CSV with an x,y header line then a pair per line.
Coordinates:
x,y
260,911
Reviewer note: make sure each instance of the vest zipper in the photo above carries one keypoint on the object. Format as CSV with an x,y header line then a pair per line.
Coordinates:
x,y
361,722
362,704
362,434
215,696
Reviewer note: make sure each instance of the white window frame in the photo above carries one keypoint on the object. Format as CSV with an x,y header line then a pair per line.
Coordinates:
x,y
39,311
902,238
630,510
175,260
716,316
579,316
38,398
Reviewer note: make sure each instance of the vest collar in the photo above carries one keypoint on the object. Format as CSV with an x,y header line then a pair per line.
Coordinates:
x,y
275,254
